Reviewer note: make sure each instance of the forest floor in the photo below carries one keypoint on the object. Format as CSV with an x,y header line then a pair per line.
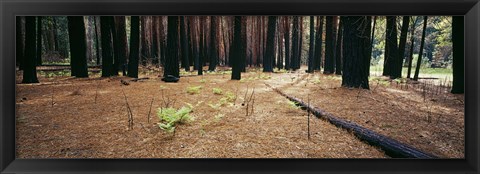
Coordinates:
x,y
65,117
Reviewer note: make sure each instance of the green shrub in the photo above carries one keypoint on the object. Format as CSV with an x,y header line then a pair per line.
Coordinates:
x,y
217,91
194,89
293,105
169,117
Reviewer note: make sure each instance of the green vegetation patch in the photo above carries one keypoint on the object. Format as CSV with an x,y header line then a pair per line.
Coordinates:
x,y
170,117
194,89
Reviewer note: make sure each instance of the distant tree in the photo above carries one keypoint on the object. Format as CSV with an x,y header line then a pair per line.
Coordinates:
x,y
39,41
237,48
29,69
97,41
134,47
19,47
270,53
78,46
458,54
311,50
329,46
107,45
356,51
419,60
171,59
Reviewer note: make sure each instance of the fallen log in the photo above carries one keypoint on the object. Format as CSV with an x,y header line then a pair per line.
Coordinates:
x,y
392,148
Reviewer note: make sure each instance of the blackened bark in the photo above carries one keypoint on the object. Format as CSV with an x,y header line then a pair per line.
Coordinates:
x,y
236,49
19,45
356,46
39,41
171,60
134,47
392,60
420,54
97,42
412,41
295,44
403,39
458,54
319,43
184,43
270,53
121,42
338,49
78,46
29,69
311,62
213,44
286,35
329,46
155,45
107,45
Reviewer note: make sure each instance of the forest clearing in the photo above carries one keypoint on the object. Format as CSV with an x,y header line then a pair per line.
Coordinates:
x,y
76,126
240,87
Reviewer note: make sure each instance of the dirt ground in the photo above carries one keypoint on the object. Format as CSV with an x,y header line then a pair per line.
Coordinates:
x,y
88,118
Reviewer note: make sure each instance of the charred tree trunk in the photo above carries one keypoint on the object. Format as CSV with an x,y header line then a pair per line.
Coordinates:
x,y
295,44
155,45
19,48
171,60
270,54
184,43
134,47
236,49
97,43
39,41
420,54
392,58
356,54
107,45
311,62
78,46
29,68
458,54
412,41
319,43
329,46
121,42
286,35
403,40
338,49
213,44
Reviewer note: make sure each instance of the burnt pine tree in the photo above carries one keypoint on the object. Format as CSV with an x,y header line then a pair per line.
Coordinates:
x,y
213,44
311,50
39,41
29,69
458,54
403,40
390,66
412,41
356,51
319,43
121,43
107,45
270,52
295,44
171,59
286,36
236,49
329,46
78,46
338,49
184,43
134,47
420,54
19,42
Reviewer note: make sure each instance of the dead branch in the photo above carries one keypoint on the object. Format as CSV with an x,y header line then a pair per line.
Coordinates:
x,y
129,112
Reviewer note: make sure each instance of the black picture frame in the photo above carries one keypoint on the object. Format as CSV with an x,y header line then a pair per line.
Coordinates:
x,y
9,9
